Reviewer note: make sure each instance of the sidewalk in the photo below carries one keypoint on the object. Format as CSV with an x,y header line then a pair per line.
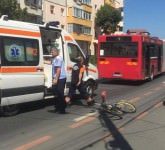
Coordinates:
x,y
148,131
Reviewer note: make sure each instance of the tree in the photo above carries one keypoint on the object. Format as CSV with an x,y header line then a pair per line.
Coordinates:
x,y
107,18
12,9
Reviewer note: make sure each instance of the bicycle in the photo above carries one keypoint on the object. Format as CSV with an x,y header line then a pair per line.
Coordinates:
x,y
117,108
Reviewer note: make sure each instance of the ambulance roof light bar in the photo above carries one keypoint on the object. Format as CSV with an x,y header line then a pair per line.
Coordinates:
x,y
4,17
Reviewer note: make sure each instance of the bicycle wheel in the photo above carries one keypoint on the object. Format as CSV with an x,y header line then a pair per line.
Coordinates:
x,y
126,107
112,109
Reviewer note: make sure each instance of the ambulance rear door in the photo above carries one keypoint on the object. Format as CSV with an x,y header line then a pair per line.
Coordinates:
x,y
21,73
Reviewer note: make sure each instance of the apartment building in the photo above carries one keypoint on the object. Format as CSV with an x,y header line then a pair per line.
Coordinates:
x,y
79,22
55,10
33,7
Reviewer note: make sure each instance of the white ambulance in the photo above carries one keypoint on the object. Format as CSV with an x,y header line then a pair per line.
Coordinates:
x,y
23,75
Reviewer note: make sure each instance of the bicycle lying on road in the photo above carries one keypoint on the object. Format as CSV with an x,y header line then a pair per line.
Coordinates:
x,y
117,108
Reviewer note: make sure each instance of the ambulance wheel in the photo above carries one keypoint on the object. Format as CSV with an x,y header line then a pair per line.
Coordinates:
x,y
10,110
89,86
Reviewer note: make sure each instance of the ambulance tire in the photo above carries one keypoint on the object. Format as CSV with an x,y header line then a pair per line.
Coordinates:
x,y
89,86
10,110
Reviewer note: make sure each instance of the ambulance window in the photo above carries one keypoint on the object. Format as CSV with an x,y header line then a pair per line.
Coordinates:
x,y
74,52
32,51
14,50
20,52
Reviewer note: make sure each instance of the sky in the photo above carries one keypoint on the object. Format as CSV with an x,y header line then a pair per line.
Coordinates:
x,y
145,14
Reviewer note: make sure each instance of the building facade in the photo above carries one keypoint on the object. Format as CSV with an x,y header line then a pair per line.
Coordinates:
x,y
55,10
79,22
33,7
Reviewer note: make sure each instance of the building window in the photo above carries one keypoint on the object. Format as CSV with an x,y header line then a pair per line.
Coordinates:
x,y
79,13
62,26
121,9
95,7
27,2
51,9
34,3
62,11
86,2
79,29
70,27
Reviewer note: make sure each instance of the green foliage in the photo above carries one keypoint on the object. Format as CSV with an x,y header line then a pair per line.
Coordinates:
x,y
108,18
93,59
8,7
12,9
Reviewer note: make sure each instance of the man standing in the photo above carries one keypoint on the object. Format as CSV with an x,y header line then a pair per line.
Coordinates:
x,y
59,80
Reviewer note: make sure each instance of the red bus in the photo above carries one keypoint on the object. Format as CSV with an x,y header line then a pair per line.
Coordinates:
x,y
129,56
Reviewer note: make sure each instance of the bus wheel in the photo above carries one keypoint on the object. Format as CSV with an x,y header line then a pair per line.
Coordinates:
x,y
152,74
10,110
89,86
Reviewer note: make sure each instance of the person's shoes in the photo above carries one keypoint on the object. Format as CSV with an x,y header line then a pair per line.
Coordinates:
x,y
56,110
62,112
68,104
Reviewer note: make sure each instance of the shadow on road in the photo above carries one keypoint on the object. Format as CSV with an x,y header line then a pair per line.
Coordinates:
x,y
116,140
32,106
122,82
127,82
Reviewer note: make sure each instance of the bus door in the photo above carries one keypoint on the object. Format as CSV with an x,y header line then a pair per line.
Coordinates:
x,y
147,60
159,50
21,72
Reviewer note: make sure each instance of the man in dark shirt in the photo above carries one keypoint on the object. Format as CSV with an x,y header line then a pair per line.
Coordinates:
x,y
76,82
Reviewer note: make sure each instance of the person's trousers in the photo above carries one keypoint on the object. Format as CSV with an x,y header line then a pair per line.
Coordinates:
x,y
81,89
60,103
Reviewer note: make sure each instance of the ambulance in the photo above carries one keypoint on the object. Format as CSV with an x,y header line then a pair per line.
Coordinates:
x,y
23,75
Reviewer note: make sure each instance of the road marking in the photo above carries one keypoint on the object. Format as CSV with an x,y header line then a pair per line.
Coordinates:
x,y
82,122
85,116
34,143
158,105
148,93
141,115
157,88
134,100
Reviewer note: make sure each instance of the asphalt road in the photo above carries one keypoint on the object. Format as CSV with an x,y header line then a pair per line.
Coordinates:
x,y
37,127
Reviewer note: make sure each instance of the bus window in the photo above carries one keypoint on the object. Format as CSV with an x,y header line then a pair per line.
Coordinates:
x,y
108,49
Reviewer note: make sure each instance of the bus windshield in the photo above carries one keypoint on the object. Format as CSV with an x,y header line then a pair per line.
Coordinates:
x,y
119,49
